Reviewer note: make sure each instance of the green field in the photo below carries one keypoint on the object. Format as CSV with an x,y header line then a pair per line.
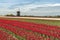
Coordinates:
x,y
40,21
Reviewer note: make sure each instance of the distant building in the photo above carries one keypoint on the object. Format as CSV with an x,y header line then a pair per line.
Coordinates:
x,y
18,13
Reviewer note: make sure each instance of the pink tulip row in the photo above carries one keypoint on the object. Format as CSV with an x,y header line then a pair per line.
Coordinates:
x,y
40,28
6,36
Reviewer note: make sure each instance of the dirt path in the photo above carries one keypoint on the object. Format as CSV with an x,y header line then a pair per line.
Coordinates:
x,y
33,18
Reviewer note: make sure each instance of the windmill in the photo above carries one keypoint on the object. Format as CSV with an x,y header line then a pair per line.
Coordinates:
x,y
18,12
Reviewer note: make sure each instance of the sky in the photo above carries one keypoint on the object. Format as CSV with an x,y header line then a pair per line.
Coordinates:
x,y
30,7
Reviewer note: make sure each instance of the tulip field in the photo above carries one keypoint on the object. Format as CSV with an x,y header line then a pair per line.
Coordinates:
x,y
24,30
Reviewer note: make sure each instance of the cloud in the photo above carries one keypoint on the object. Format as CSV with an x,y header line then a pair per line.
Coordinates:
x,y
34,6
34,9
30,7
45,9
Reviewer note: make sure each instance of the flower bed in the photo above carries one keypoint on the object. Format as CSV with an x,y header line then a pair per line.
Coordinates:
x,y
20,28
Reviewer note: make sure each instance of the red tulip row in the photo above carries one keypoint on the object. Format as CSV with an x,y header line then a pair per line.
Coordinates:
x,y
6,36
23,33
40,28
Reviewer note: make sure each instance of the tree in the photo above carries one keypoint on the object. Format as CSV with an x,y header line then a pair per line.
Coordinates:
x,y
9,15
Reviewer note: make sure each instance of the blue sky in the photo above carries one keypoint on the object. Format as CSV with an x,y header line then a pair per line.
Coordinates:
x,y
30,7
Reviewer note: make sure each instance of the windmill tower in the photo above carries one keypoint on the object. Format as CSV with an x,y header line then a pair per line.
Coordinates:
x,y
18,12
